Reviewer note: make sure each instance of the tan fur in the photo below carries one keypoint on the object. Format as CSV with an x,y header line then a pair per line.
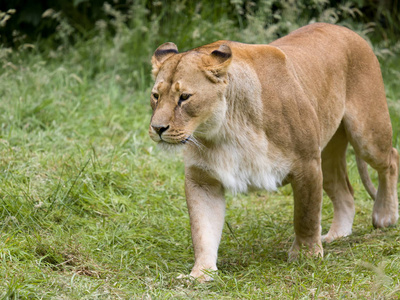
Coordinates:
x,y
259,116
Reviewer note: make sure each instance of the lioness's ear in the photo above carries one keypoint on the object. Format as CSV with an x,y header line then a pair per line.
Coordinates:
x,y
162,53
217,63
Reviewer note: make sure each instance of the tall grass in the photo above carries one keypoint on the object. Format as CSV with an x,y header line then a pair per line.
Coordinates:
x,y
89,208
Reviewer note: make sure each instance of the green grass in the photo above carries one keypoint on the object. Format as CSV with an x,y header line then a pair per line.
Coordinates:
x,y
91,209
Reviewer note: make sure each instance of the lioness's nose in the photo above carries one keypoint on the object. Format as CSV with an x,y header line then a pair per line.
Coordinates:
x,y
160,129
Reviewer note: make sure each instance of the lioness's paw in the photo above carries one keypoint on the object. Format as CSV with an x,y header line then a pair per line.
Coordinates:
x,y
201,276
332,235
186,278
310,250
382,218
327,238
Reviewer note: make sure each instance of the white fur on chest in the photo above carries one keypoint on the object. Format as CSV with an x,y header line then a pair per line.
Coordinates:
x,y
242,166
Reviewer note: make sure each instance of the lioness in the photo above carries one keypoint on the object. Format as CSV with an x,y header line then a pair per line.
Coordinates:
x,y
259,116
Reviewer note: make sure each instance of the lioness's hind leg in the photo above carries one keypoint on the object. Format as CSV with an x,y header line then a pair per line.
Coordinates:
x,y
386,205
371,138
337,186
368,128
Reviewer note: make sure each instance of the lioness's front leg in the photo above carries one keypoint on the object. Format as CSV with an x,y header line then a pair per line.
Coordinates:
x,y
206,205
307,191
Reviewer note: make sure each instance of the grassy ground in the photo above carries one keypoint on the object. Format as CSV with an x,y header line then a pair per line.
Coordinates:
x,y
89,208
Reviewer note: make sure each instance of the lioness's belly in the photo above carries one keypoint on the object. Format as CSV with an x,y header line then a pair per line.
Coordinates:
x,y
240,169
243,176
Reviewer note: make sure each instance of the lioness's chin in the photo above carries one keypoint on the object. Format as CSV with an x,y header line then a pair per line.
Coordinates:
x,y
170,147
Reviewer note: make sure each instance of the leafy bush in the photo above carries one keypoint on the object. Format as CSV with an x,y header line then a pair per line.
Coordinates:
x,y
25,17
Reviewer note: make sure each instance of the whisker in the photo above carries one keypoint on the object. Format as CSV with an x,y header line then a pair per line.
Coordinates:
x,y
196,143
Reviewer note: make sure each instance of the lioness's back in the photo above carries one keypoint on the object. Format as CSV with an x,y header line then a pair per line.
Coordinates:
x,y
334,48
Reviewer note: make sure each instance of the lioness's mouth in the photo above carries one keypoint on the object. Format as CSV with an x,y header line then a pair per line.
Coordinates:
x,y
183,142
174,142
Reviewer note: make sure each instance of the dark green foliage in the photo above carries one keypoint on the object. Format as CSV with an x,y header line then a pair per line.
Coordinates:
x,y
41,19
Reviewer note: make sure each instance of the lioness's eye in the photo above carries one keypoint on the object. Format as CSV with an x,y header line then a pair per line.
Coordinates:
x,y
156,96
184,97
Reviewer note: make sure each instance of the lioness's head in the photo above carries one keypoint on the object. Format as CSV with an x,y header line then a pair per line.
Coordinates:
x,y
188,94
